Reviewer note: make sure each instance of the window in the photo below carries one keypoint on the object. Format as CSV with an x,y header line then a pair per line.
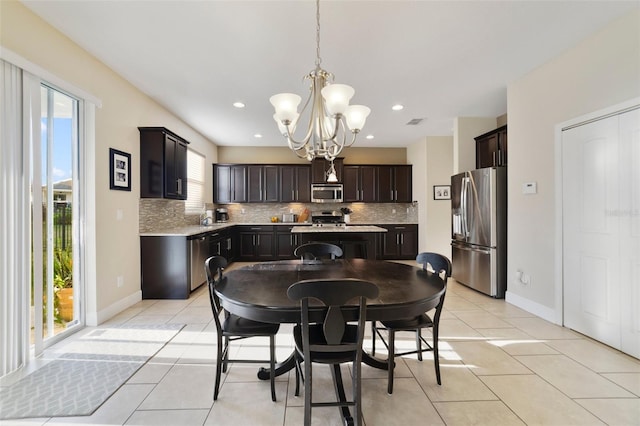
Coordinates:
x,y
195,183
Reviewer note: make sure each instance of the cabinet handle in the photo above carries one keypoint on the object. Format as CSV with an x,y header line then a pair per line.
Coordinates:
x,y
401,239
399,227
258,239
494,158
179,186
228,243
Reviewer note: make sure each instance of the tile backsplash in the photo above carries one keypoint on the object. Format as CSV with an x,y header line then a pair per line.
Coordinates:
x,y
160,214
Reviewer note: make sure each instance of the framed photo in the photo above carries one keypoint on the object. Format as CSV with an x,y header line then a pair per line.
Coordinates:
x,y
119,170
441,192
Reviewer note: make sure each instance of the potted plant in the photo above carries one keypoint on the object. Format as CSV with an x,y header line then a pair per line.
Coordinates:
x,y
63,284
346,211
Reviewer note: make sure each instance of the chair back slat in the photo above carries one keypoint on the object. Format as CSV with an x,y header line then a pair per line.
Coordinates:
x,y
317,250
439,263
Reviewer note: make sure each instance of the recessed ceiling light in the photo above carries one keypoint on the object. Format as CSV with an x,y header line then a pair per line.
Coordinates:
x,y
257,135
238,104
369,136
397,107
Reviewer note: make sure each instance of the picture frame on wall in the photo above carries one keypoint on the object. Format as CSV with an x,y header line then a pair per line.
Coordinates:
x,y
119,170
441,192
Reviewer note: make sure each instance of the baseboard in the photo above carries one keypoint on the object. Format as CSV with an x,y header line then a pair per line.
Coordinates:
x,y
113,309
537,309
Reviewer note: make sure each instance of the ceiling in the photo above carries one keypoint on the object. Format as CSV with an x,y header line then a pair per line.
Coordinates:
x,y
440,59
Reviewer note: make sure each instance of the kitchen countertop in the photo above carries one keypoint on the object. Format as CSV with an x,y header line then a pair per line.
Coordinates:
x,y
336,229
188,231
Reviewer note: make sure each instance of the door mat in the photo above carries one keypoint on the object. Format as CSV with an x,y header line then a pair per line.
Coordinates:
x,y
79,381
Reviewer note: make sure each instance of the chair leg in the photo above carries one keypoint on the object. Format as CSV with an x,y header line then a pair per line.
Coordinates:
x,y
307,392
390,361
419,343
297,375
373,338
225,360
272,365
216,386
436,357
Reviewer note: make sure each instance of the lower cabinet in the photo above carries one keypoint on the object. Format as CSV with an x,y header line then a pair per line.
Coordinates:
x,y
256,243
286,242
165,267
399,242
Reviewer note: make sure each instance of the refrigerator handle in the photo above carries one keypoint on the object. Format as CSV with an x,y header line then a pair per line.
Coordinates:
x,y
463,206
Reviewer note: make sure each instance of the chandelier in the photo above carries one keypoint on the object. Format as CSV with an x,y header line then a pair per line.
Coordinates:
x,y
330,115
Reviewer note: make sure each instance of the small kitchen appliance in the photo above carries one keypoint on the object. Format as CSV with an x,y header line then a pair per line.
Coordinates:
x,y
222,215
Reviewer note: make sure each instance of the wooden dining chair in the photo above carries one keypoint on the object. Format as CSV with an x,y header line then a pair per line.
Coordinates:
x,y
317,250
234,328
325,337
441,265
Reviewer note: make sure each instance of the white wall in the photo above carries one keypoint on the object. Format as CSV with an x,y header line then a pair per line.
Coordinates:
x,y
432,159
465,130
124,108
601,71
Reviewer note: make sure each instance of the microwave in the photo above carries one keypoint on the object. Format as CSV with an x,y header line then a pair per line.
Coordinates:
x,y
326,193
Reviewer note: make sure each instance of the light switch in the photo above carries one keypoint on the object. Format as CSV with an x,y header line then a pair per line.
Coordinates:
x,y
530,188
119,214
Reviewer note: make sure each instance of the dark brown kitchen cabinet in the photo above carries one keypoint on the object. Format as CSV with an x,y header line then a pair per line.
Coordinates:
x,y
229,183
359,183
262,184
295,185
491,148
394,184
286,242
320,167
163,164
399,242
256,243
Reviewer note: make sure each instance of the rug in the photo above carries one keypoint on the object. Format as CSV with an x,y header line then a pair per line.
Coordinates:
x,y
92,368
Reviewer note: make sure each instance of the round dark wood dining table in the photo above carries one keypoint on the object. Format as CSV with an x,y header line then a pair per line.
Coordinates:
x,y
259,292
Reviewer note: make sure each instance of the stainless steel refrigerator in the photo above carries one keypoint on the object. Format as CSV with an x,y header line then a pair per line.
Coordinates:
x,y
479,229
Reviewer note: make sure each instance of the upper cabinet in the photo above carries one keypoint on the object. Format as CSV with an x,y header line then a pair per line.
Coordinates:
x,y
295,184
394,184
163,164
229,183
360,183
320,167
491,148
261,183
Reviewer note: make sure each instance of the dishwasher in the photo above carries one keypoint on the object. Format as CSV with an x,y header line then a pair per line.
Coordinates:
x,y
198,253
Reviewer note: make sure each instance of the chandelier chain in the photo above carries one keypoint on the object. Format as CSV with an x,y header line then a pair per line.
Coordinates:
x,y
318,58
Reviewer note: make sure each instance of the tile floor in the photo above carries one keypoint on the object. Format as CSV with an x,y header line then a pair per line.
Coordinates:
x,y
500,366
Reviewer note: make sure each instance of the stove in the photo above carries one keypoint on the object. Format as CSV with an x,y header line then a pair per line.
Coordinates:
x,y
328,225
327,218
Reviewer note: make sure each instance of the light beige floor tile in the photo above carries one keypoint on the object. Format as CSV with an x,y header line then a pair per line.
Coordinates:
x,y
477,413
151,372
614,411
458,382
503,310
248,404
541,329
481,319
189,333
149,319
193,315
320,416
457,329
504,333
456,303
25,422
115,411
573,379
408,405
483,358
629,381
183,387
536,402
168,417
323,389
597,356
524,347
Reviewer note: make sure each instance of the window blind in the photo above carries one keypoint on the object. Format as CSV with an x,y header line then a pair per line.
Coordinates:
x,y
195,183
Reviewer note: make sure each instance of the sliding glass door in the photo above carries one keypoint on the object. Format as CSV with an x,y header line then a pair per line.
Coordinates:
x,y
55,288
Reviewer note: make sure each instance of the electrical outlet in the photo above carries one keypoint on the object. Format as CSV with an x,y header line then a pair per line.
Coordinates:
x,y
119,214
526,279
120,281
393,211
242,211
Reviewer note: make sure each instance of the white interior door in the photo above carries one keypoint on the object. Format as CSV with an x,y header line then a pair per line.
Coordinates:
x,y
600,265
629,216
